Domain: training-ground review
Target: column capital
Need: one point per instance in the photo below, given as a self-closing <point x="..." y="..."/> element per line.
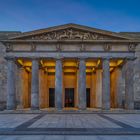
<point x="82" y="58"/>
<point x="59" y="58"/>
<point x="35" y="58"/>
<point x="106" y="58"/>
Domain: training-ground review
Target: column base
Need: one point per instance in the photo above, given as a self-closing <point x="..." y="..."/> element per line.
<point x="106" y="108"/>
<point x="59" y="109"/>
<point x="35" y="108"/>
<point x="82" y="109"/>
<point x="10" y="108"/>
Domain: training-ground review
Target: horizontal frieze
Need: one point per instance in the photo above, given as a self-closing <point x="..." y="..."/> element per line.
<point x="71" y="55"/>
<point x="69" y="47"/>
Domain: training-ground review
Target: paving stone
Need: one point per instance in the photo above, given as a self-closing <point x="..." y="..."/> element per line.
<point x="129" y="119"/>
<point x="70" y="137"/>
<point x="13" y="120"/>
<point x="73" y="121"/>
<point x="69" y="124"/>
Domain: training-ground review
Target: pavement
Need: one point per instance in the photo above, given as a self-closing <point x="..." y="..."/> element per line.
<point x="65" y="126"/>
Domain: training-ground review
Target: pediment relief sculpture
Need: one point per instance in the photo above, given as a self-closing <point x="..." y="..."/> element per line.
<point x="70" y="34"/>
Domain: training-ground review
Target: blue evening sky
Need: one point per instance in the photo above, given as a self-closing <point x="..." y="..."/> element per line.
<point x="26" y="15"/>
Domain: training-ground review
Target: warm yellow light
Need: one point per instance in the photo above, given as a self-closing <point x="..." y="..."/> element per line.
<point x="41" y="61"/>
<point x="69" y="70"/>
<point x="20" y="62"/>
<point x="119" y="62"/>
<point x="98" y="62"/>
<point x="93" y="69"/>
<point x="49" y="64"/>
<point x="28" y="69"/>
<point x="46" y="69"/>
<point x="111" y="69"/>
<point x="112" y="64"/>
<point x="88" y="70"/>
<point x="90" y="64"/>
<point x="27" y="64"/>
<point x="69" y="64"/>
<point x="51" y="70"/>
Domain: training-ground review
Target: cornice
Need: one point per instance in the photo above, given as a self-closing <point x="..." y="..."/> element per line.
<point x="70" y="41"/>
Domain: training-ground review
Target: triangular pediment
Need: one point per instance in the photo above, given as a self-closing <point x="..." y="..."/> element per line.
<point x="70" y="32"/>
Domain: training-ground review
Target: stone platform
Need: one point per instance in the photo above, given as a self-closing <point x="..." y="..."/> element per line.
<point x="69" y="124"/>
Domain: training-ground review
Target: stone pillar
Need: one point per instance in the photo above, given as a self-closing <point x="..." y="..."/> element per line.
<point x="119" y="87"/>
<point x="76" y="93"/>
<point x="93" y="88"/>
<point x="21" y="88"/>
<point x="82" y="85"/>
<point x="106" y="84"/>
<point x="58" y="85"/>
<point x="11" y="88"/>
<point x="35" y="85"/>
<point x="98" y="96"/>
<point x="42" y="86"/>
<point x="129" y="81"/>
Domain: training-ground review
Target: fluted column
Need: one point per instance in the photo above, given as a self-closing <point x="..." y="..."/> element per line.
<point x="98" y="88"/>
<point x="129" y="87"/>
<point x="119" y="84"/>
<point x="106" y="84"/>
<point x="82" y="85"/>
<point x="35" y="85"/>
<point x="11" y="88"/>
<point x="58" y="84"/>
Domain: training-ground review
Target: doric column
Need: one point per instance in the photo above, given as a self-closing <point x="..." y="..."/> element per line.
<point x="129" y="88"/>
<point x="106" y="85"/>
<point x="119" y="84"/>
<point x="58" y="84"/>
<point x="11" y="90"/>
<point x="82" y="85"/>
<point x="98" y="88"/>
<point x="35" y="85"/>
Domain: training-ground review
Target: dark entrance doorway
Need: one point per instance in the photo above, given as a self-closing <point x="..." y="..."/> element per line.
<point x="88" y="96"/>
<point x="51" y="97"/>
<point x="69" y="97"/>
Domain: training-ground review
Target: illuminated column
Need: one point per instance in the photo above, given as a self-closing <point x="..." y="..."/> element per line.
<point x="98" y="88"/>
<point x="11" y="90"/>
<point x="58" y="84"/>
<point x="106" y="85"/>
<point x="129" y="87"/>
<point x="35" y="85"/>
<point x="82" y="84"/>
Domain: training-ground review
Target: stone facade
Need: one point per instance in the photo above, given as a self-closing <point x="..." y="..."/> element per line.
<point x="107" y="63"/>
<point x="3" y="77"/>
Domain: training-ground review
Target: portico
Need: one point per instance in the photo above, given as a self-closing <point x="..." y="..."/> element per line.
<point x="70" y="67"/>
<point x="40" y="76"/>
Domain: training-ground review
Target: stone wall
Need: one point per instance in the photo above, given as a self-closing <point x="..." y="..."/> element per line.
<point x="137" y="78"/>
<point x="3" y="77"/>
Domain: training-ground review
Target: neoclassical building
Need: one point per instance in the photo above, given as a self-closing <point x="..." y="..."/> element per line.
<point x="69" y="67"/>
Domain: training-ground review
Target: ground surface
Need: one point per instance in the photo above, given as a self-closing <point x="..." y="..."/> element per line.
<point x="65" y="126"/>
